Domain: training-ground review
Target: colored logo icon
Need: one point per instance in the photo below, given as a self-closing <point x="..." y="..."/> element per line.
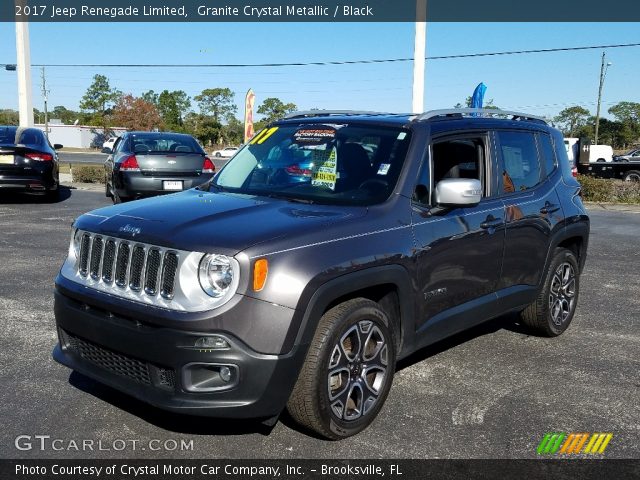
<point x="574" y="443"/>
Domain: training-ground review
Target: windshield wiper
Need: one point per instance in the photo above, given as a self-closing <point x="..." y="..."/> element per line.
<point x="279" y="196"/>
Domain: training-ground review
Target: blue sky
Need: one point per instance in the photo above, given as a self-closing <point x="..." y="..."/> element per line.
<point x="541" y="84"/>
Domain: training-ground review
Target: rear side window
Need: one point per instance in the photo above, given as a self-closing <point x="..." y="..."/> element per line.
<point x="8" y="135"/>
<point x="520" y="164"/>
<point x="548" y="153"/>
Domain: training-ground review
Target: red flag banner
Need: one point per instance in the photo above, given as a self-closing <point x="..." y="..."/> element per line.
<point x="248" y="115"/>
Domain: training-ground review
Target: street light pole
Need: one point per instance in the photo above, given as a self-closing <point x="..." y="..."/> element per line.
<point x="603" y="74"/>
<point x="419" y="52"/>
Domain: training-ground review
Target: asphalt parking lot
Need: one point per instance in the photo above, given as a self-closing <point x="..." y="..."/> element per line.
<point x="490" y="393"/>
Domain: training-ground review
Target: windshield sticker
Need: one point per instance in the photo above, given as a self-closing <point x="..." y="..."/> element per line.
<point x="384" y="168"/>
<point x="402" y="135"/>
<point x="325" y="171"/>
<point x="269" y="132"/>
<point x="263" y="135"/>
<point x="314" y="135"/>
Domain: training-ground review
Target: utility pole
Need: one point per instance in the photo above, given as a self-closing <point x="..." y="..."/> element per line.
<point x="23" y="67"/>
<point x="419" y="52"/>
<point x="45" y="95"/>
<point x="603" y="74"/>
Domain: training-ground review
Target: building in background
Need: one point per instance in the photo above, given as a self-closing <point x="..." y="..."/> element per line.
<point x="79" y="136"/>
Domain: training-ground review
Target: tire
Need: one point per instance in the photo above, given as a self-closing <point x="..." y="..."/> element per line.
<point x="107" y="189"/>
<point x="346" y="402"/>
<point x="218" y="154"/>
<point x="553" y="310"/>
<point x="117" y="199"/>
<point x="632" y="176"/>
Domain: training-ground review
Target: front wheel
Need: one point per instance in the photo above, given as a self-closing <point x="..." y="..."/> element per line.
<point x="553" y="310"/>
<point x="348" y="371"/>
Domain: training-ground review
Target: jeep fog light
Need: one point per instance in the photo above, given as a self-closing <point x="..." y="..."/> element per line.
<point x="215" y="275"/>
<point x="225" y="374"/>
<point x="213" y="343"/>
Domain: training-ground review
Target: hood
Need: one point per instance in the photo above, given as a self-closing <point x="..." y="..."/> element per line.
<point x="215" y="222"/>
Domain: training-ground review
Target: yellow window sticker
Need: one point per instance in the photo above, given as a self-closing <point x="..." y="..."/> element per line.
<point x="325" y="173"/>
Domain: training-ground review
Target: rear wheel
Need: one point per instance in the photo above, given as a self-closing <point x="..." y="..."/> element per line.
<point x="118" y="199"/>
<point x="348" y="371"/>
<point x="553" y="310"/>
<point x="107" y="189"/>
<point x="632" y="176"/>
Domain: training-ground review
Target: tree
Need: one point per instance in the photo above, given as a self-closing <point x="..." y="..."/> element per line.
<point x="628" y="115"/>
<point x="136" y="114"/>
<point x="273" y="109"/>
<point x="233" y="132"/>
<point x="571" y="119"/>
<point x="467" y="104"/>
<point x="151" y="97"/>
<point x="626" y="112"/>
<point x="9" y="117"/>
<point x="173" y="106"/>
<point x="98" y="98"/>
<point x="68" y="117"/>
<point x="217" y="102"/>
<point x="204" y="128"/>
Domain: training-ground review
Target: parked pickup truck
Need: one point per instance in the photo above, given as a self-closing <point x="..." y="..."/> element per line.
<point x="628" y="171"/>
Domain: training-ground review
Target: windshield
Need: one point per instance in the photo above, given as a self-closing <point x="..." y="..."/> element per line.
<point x="344" y="164"/>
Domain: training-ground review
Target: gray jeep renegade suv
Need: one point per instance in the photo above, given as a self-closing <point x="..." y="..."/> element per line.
<point x="331" y="246"/>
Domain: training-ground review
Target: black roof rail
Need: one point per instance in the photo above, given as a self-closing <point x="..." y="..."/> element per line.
<point x="477" y="112"/>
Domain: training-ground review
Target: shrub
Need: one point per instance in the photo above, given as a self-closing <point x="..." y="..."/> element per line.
<point x="87" y="174"/>
<point x="609" y="190"/>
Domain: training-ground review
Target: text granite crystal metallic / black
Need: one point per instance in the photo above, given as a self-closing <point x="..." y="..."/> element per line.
<point x="332" y="245"/>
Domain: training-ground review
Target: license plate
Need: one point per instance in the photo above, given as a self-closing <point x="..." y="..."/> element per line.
<point x="172" y="185"/>
<point x="6" y="159"/>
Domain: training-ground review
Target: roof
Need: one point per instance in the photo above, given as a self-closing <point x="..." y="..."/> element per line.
<point x="471" y="115"/>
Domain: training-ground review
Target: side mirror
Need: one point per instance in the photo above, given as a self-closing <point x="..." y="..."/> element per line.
<point x="459" y="192"/>
<point x="107" y="150"/>
<point x="57" y="146"/>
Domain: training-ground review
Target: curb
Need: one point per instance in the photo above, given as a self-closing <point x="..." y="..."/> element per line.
<point x="613" y="207"/>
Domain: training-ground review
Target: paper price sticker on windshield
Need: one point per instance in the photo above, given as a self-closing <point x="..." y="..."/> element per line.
<point x="314" y="135"/>
<point x="326" y="172"/>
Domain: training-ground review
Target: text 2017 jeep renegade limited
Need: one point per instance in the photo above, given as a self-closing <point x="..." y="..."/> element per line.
<point x="329" y="247"/>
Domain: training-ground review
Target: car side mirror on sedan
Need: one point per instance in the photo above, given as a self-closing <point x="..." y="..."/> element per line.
<point x="57" y="146"/>
<point x="458" y="192"/>
<point x="107" y="150"/>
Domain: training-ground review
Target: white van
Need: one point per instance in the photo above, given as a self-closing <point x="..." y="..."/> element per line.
<point x="597" y="153"/>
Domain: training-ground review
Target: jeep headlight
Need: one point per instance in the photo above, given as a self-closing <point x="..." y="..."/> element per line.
<point x="76" y="239"/>
<point x="218" y="275"/>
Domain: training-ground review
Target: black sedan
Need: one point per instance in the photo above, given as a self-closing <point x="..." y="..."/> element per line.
<point x="144" y="164"/>
<point x="28" y="162"/>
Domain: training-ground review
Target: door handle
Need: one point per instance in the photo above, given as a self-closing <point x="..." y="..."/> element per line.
<point x="549" y="208"/>
<point x="491" y="222"/>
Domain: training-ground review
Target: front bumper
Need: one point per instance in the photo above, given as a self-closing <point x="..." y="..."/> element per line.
<point x="136" y="184"/>
<point x="155" y="364"/>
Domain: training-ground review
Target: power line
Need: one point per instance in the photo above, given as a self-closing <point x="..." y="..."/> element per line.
<point x="345" y="62"/>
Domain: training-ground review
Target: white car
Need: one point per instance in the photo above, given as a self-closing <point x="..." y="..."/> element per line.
<point x="109" y="143"/>
<point x="226" y="152"/>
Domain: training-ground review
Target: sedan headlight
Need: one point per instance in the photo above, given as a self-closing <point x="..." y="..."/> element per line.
<point x="218" y="275"/>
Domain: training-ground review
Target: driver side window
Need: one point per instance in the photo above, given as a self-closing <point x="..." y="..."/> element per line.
<point x="458" y="157"/>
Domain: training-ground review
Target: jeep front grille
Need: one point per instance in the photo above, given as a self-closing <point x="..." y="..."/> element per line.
<point x="119" y="363"/>
<point x="123" y="264"/>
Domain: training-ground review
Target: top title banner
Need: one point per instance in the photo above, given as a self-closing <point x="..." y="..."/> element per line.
<point x="319" y="11"/>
